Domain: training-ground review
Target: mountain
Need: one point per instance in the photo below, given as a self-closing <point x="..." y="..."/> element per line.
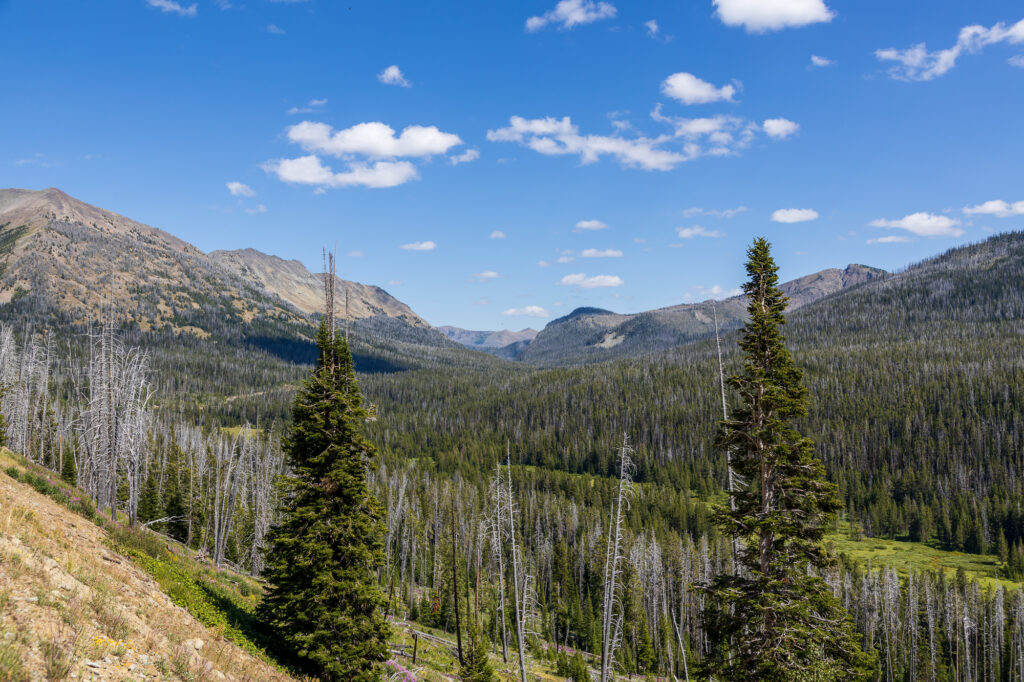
<point x="484" y="340"/>
<point x="594" y="335"/>
<point x="291" y="281"/>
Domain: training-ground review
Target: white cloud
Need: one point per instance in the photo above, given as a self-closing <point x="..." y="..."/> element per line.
<point x="484" y="276"/>
<point x="356" y="254"/>
<point x="497" y="234"/>
<point x="916" y="63"/>
<point x="260" y="208"/>
<point x="173" y="7"/>
<point x="373" y="139"/>
<point x="998" y="208"/>
<point x="1016" y="60"/>
<point x="710" y="136"/>
<point x="697" y="231"/>
<point x="701" y="293"/>
<point x="586" y="225"/>
<point x="725" y="213"/>
<point x="308" y="170"/>
<point x="419" y="246"/>
<point x="528" y="311"/>
<point x="275" y="29"/>
<point x="393" y="76"/>
<point x="923" y="225"/>
<point x="590" y="225"/>
<point x="554" y="137"/>
<point x="820" y="61"/>
<point x="565" y="259"/>
<point x="543" y="264"/>
<point x="464" y="157"/>
<point x="311" y="106"/>
<point x="568" y="14"/>
<point x="652" y="28"/>
<point x="794" y="215"/>
<point x="891" y="239"/>
<point x="598" y="253"/>
<point x="597" y="281"/>
<point x="780" y="128"/>
<point x="239" y="189"/>
<point x="759" y="16"/>
<point x="689" y="89"/>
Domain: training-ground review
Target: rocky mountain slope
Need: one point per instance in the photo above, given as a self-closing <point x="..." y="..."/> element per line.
<point x="593" y="334"/>
<point x="485" y="340"/>
<point x="291" y="281"/>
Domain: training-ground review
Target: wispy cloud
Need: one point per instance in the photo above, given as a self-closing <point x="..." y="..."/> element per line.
<point x="393" y="76"/>
<point x="701" y="293"/>
<point x="794" y="215"/>
<point x="590" y="225"/>
<point x="171" y="7"/>
<point x="275" y="29"/>
<point x="312" y="106"/>
<point x="239" y="189"/>
<point x="569" y="14"/>
<point x="259" y="208"/>
<point x="497" y="234"/>
<point x="485" y="276"/>
<point x="697" y="231"/>
<point x="601" y="253"/>
<point x="890" y="239"/>
<point x="724" y="213"/>
<point x="528" y="311"/>
<point x="464" y="157"/>
<point x="917" y="63"/>
<point x="581" y="280"/>
<point x="652" y="28"/>
<point x="923" y="225"/>
<point x="419" y="246"/>
<point x="820" y="61"/>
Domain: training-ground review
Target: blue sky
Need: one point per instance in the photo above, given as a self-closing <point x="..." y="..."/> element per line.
<point x="504" y="133"/>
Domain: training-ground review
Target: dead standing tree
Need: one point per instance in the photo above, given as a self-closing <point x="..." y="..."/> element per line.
<point x="611" y="625"/>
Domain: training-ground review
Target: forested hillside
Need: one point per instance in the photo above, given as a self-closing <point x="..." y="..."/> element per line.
<point x="915" y="409"/>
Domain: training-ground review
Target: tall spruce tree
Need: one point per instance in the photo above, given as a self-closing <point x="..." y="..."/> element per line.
<point x="323" y="600"/>
<point x="776" y="619"/>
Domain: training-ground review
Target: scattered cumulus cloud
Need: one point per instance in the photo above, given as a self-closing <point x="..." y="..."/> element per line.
<point x="689" y="89"/>
<point x="275" y="29"/>
<point x="497" y="234"/>
<point x="780" y="128"/>
<point x="923" y="225"/>
<point x="794" y="215"/>
<point x="917" y="63"/>
<point x="373" y="141"/>
<point x="419" y="246"/>
<point x="239" y="189"/>
<point x="820" y="61"/>
<point x="597" y="281"/>
<point x="171" y="7"/>
<point x="485" y="276"/>
<point x="393" y="76"/>
<point x="589" y="225"/>
<point x="761" y="16"/>
<point x="601" y="253"/>
<point x="464" y="157"/>
<point x="890" y="239"/>
<point x="652" y="28"/>
<point x="697" y="231"/>
<point x="565" y="259"/>
<point x="528" y="311"/>
<point x="724" y="213"/>
<point x="997" y="207"/>
<point x="568" y="14"/>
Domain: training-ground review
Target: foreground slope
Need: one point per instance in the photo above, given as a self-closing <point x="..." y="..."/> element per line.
<point x="73" y="607"/>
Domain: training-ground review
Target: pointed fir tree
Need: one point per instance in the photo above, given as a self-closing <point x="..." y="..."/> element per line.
<point x="476" y="666"/>
<point x="323" y="601"/>
<point x="150" y="507"/>
<point x="776" y="619"/>
<point x="68" y="470"/>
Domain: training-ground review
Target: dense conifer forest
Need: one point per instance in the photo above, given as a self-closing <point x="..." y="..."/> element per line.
<point x="501" y="485"/>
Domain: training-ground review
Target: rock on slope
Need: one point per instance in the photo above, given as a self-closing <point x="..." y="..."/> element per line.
<point x="68" y="597"/>
<point x="483" y="340"/>
<point x="290" y="280"/>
